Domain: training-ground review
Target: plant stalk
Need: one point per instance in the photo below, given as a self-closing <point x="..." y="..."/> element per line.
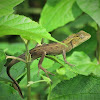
<point x="28" y="79"/>
<point x="98" y="45"/>
<point x="28" y="60"/>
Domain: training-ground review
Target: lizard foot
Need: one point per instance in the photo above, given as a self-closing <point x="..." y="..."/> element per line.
<point x="45" y="70"/>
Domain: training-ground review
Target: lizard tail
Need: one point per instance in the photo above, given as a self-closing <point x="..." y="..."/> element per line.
<point x="14" y="61"/>
<point x="15" y="82"/>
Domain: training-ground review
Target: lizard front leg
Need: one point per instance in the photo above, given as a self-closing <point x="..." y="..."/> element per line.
<point x="40" y="65"/>
<point x="64" y="56"/>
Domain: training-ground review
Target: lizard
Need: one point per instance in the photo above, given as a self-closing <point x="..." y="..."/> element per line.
<point x="72" y="41"/>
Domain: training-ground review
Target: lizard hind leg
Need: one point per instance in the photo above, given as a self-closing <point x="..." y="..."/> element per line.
<point x="40" y="65"/>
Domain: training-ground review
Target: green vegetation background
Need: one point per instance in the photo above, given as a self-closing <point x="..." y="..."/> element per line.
<point x="61" y="18"/>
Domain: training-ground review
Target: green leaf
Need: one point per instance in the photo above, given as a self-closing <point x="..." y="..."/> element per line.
<point x="46" y="79"/>
<point x="2" y="59"/>
<point x="8" y="93"/>
<point x="66" y="70"/>
<point x="83" y="64"/>
<point x="78" y="88"/>
<point x="6" y="6"/>
<point x="57" y="13"/>
<point x="79" y="58"/>
<point x="81" y="21"/>
<point x="96" y="70"/>
<point x="91" y="7"/>
<point x="15" y="71"/>
<point x="21" y="25"/>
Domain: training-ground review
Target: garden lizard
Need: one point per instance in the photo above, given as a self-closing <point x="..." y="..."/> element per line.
<point x="51" y="49"/>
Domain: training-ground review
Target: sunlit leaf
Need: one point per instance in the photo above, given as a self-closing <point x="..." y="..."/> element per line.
<point x="83" y="64"/>
<point x="6" y="6"/>
<point x="91" y="7"/>
<point x="21" y="25"/>
<point x="57" y="13"/>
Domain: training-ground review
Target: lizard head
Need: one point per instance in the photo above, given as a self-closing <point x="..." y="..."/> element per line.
<point x="79" y="38"/>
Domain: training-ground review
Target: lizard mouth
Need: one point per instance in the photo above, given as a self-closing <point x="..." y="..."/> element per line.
<point x="88" y="36"/>
<point x="80" y="37"/>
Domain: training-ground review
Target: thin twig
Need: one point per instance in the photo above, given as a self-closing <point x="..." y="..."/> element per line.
<point x="17" y="58"/>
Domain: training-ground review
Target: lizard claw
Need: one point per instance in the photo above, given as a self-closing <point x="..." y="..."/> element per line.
<point x="69" y="64"/>
<point x="45" y="70"/>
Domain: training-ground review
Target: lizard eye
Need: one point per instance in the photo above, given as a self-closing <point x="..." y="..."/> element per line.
<point x="81" y="36"/>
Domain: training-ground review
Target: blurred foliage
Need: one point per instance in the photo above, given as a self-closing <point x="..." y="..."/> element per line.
<point x="80" y="87"/>
<point x="61" y="18"/>
<point x="8" y="93"/>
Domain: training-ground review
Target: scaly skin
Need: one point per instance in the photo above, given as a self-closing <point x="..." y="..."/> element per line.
<point x="51" y="49"/>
